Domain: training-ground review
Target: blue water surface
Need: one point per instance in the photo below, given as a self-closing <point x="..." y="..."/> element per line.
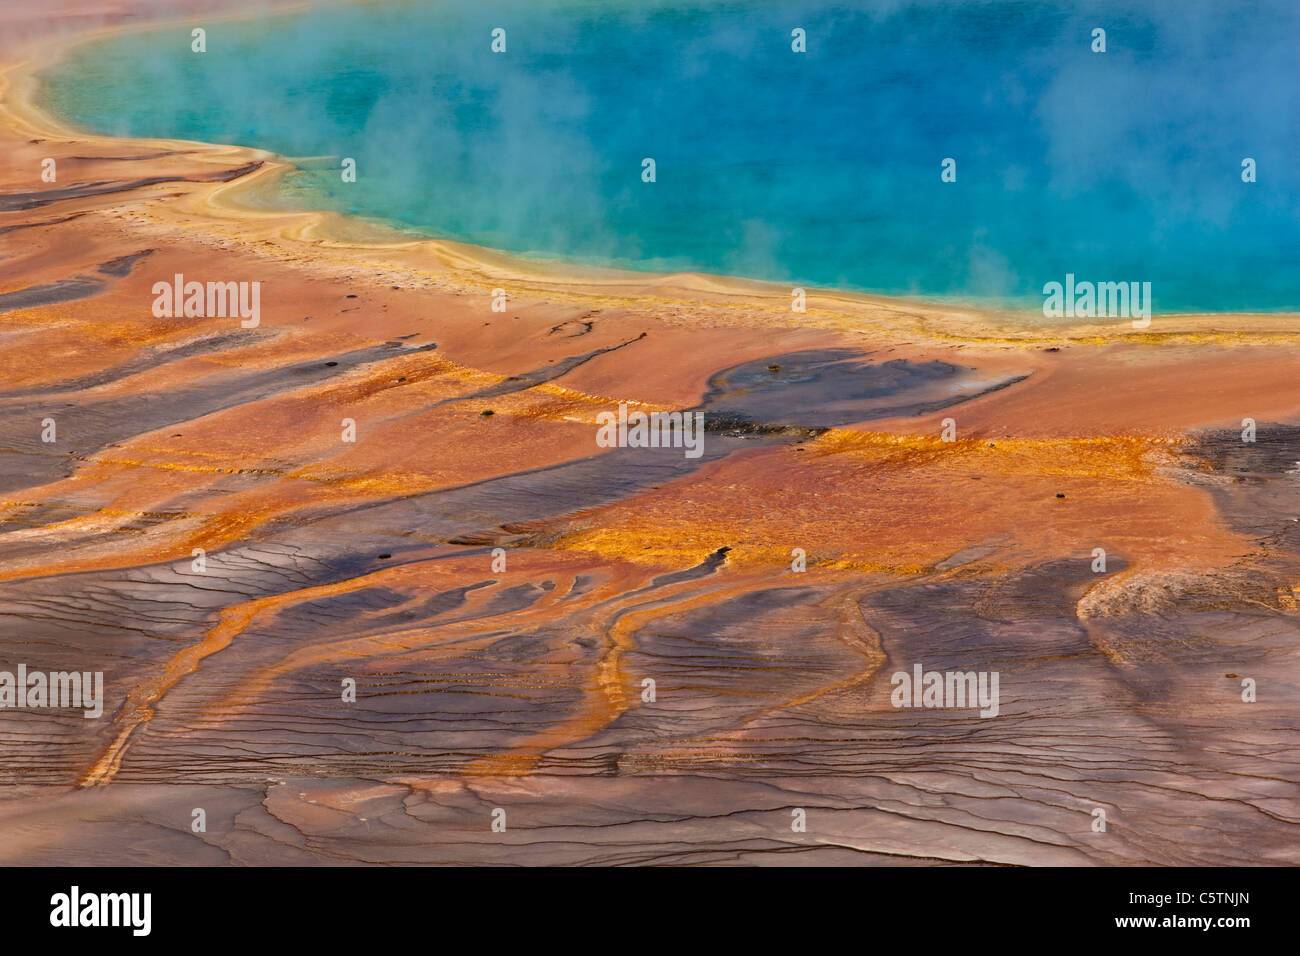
<point x="819" y="168"/>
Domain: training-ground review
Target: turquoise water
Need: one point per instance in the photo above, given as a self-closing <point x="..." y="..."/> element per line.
<point x="821" y="168"/>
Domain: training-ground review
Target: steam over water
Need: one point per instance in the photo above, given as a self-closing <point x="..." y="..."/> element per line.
<point x="818" y="168"/>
